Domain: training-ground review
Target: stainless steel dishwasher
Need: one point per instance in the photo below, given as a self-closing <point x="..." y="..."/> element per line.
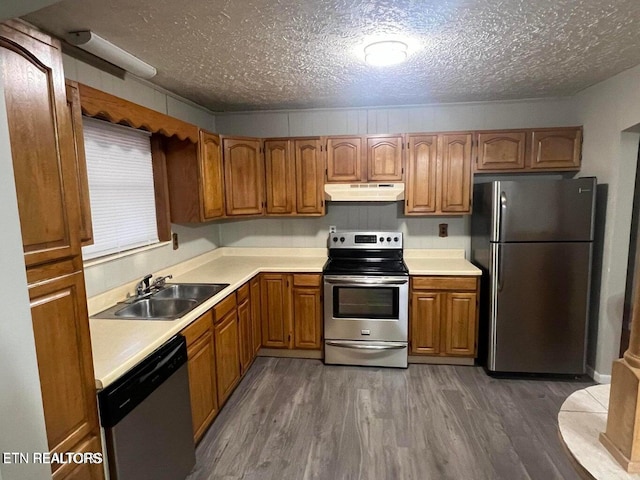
<point x="146" y="415"/>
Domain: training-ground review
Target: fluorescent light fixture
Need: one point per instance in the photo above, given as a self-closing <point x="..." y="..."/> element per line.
<point x="100" y="47"/>
<point x="385" y="53"/>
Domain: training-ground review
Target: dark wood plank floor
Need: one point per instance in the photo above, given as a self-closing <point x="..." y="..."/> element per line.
<point x="299" y="419"/>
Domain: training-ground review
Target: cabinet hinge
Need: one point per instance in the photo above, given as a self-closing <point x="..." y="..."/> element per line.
<point x="402" y="170"/>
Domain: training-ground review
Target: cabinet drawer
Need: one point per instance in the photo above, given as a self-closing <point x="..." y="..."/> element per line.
<point x="224" y="307"/>
<point x="307" y="280"/>
<point x="444" y="283"/>
<point x="243" y="292"/>
<point x="198" y="327"/>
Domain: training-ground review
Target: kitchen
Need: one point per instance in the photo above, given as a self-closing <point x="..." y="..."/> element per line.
<point x="607" y="111"/>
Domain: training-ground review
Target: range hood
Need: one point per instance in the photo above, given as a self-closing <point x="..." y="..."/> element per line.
<point x="364" y="192"/>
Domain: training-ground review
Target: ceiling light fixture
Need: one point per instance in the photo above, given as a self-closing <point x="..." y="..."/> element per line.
<point x="389" y="52"/>
<point x="100" y="47"/>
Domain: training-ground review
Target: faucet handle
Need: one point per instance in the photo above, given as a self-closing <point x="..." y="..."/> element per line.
<point x="143" y="285"/>
<point x="160" y="281"/>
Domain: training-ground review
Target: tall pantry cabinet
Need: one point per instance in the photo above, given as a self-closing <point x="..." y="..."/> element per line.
<point x="44" y="163"/>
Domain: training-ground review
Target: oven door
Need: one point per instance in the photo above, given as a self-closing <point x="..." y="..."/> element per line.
<point x="366" y="308"/>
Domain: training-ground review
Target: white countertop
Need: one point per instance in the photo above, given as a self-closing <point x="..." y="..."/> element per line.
<point x="118" y="345"/>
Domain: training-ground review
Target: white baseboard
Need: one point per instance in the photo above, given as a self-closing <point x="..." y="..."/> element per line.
<point x="598" y="377"/>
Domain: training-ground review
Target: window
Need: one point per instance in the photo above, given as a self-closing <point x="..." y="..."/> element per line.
<point x="121" y="193"/>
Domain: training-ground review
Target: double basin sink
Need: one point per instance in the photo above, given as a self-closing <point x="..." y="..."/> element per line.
<point x="170" y="302"/>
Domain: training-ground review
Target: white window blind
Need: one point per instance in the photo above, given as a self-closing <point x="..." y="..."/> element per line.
<point x="123" y="208"/>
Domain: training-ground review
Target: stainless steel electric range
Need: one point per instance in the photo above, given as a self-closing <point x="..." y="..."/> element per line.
<point x="366" y="300"/>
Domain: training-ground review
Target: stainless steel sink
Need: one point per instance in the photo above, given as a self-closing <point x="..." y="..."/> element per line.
<point x="172" y="301"/>
<point x="197" y="291"/>
<point x="150" y="308"/>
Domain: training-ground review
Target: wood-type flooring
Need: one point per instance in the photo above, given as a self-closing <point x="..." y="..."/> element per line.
<point x="294" y="419"/>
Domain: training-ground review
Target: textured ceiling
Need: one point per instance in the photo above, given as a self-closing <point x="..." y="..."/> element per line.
<point x="274" y="54"/>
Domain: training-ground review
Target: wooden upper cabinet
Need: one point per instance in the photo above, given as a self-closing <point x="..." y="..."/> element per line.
<point x="309" y="177"/>
<point x="75" y="114"/>
<point x="210" y="155"/>
<point x="422" y="166"/>
<point x="279" y="177"/>
<point x="384" y="158"/>
<point x="456" y="176"/>
<point x="500" y="150"/>
<point x="42" y="146"/>
<point x="344" y="160"/>
<point x="243" y="176"/>
<point x="556" y="149"/>
<point x="194" y="177"/>
<point x="63" y="350"/>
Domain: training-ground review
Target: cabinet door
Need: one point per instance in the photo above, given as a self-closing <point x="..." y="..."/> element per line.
<point x="309" y="177"/>
<point x="243" y="176"/>
<point x="280" y="169"/>
<point x="82" y="471"/>
<point x="455" y="168"/>
<point x="344" y="159"/>
<point x="556" y="149"/>
<point x="422" y="170"/>
<point x="227" y="355"/>
<point x="202" y="383"/>
<point x="41" y="144"/>
<point x="275" y="290"/>
<point x="426" y="311"/>
<point x="63" y="350"/>
<point x="384" y="155"/>
<point x="256" y="314"/>
<point x="75" y="115"/>
<point x="246" y="334"/>
<point x="460" y="324"/>
<point x="307" y="317"/>
<point x="500" y="150"/>
<point x="211" y="177"/>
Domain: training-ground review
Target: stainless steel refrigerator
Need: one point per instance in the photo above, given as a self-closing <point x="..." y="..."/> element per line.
<point x="534" y="241"/>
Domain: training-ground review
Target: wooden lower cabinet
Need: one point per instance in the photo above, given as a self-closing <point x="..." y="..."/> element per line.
<point x="83" y="471"/>
<point x="247" y="354"/>
<point x="256" y="314"/>
<point x="307" y="311"/>
<point x="444" y="316"/>
<point x="275" y="291"/>
<point x="227" y="351"/>
<point x="202" y="373"/>
<point x="63" y="350"/>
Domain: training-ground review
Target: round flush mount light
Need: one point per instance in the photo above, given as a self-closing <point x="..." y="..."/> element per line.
<point x="389" y="52"/>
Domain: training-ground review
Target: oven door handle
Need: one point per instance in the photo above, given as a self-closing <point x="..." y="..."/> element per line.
<point x="361" y="346"/>
<point x="377" y="281"/>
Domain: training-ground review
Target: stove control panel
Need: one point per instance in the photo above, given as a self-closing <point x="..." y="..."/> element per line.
<point x="365" y="240"/>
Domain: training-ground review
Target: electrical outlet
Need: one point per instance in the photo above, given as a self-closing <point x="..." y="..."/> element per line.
<point x="443" y="230"/>
<point x="174" y="237"/>
<point x="332" y="229"/>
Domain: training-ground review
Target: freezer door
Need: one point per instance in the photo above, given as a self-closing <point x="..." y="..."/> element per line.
<point x="543" y="210"/>
<point x="539" y="306"/>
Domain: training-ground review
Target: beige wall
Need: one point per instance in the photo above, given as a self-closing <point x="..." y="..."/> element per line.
<point x="607" y="110"/>
<point x="194" y="240"/>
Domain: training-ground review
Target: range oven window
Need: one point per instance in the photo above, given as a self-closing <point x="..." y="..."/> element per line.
<point x="365" y="302"/>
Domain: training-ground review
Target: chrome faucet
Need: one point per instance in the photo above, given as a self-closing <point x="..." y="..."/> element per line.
<point x="143" y="287"/>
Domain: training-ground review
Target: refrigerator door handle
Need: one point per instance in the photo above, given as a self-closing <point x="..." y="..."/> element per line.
<point x="500" y="267"/>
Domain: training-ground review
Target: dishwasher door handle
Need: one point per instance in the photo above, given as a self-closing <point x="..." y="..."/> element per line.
<point x="366" y="346"/>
